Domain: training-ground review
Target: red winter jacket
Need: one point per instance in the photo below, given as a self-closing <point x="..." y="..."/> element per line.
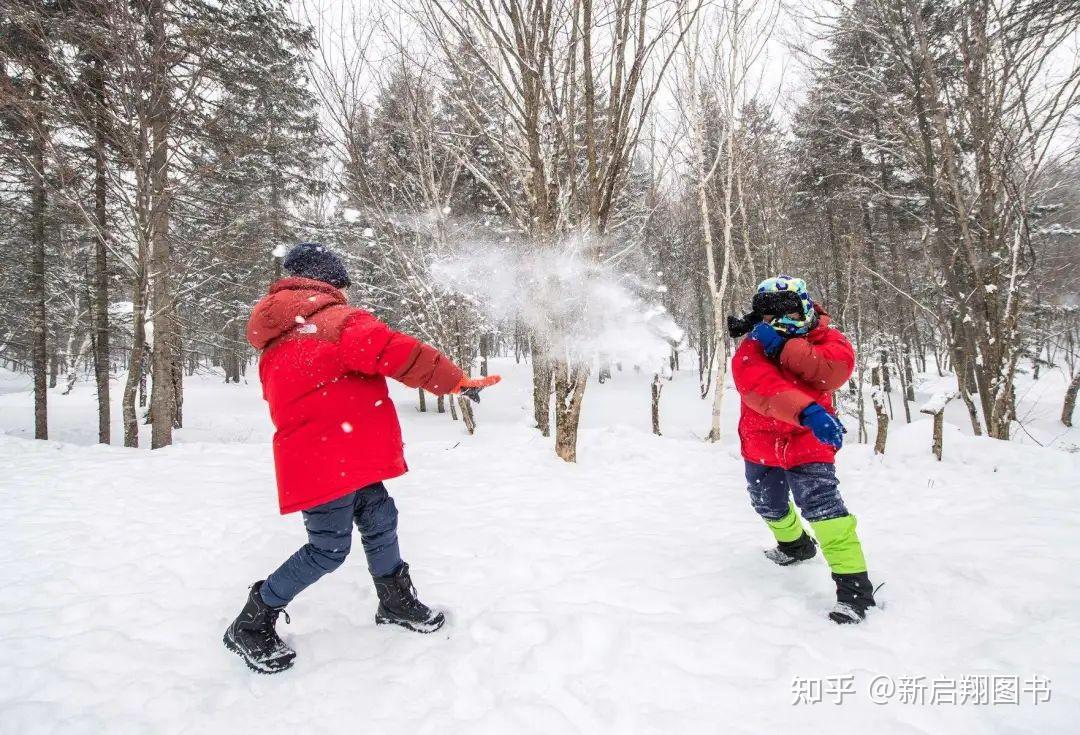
<point x="323" y="369"/>
<point x="775" y="391"/>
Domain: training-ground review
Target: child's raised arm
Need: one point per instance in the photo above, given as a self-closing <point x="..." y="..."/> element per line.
<point x="826" y="365"/>
<point x="764" y="389"/>
<point x="371" y="347"/>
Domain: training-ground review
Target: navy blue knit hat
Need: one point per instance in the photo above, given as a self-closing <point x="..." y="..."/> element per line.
<point x="314" y="260"/>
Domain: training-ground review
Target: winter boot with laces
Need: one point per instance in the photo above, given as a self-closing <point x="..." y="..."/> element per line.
<point x="854" y="595"/>
<point x="252" y="635"/>
<point x="398" y="604"/>
<point x="792" y="552"/>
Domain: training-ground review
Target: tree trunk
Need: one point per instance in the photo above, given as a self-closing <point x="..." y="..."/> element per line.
<point x="136" y="371"/>
<point x="907" y="393"/>
<point x="277" y="228"/>
<point x="882" y="435"/>
<point x="570" y="381"/>
<point x="972" y="409"/>
<point x="466" y="413"/>
<point x="1070" y="401"/>
<point x="163" y="399"/>
<point x="939" y="431"/>
<point x="657" y="387"/>
<point x="38" y="322"/>
<point x="100" y="301"/>
<point x="721" y="353"/>
<point x="886" y="380"/>
<point x="542" y="375"/>
<point x="704" y="354"/>
<point x="909" y="376"/>
<point x="230" y="356"/>
<point x="73" y="375"/>
<point x="177" y="372"/>
<point x="148" y="354"/>
<point x="718" y="282"/>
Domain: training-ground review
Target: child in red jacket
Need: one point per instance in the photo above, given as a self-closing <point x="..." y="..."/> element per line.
<point x="785" y="372"/>
<point x="323" y="369"/>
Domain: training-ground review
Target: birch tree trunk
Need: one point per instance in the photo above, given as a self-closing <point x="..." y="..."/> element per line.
<point x="136" y="369"/>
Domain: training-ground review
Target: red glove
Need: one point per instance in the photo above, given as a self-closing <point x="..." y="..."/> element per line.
<point x="471" y="387"/>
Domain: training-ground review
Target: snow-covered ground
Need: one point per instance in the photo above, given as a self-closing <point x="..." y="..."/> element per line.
<point x="627" y="593"/>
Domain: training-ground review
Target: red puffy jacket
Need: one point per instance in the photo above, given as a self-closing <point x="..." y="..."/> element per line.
<point x="775" y="391"/>
<point x="323" y="369"/>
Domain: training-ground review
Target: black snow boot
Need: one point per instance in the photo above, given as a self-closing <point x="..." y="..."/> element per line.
<point x="398" y="604"/>
<point x="792" y="552"/>
<point x="854" y="595"/>
<point x="252" y="636"/>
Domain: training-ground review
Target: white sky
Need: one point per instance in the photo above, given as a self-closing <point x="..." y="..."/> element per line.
<point x="779" y="76"/>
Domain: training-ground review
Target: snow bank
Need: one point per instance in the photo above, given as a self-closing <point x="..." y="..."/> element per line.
<point x="624" y="594"/>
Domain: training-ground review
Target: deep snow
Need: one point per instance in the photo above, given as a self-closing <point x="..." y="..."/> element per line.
<point x="625" y="594"/>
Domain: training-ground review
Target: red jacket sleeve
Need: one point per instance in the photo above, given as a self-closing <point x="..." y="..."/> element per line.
<point x="824" y="366"/>
<point x="762" y="386"/>
<point x="368" y="346"/>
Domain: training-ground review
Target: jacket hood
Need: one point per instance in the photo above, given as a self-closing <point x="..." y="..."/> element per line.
<point x="290" y="302"/>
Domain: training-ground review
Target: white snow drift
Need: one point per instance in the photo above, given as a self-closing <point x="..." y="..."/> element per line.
<point x="625" y="594"/>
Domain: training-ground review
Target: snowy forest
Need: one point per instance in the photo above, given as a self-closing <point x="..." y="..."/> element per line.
<point x="578" y="200"/>
<point x="158" y="157"/>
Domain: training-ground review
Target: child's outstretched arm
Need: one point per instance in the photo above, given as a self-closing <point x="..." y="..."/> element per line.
<point x="764" y="389"/>
<point x="826" y="365"/>
<point x="371" y="347"/>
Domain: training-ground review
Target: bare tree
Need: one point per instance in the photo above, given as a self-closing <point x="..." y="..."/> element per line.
<point x="575" y="94"/>
<point x="722" y="52"/>
<point x="26" y="64"/>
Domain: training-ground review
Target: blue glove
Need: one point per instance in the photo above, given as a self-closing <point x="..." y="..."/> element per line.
<point x="826" y="427"/>
<point x="769" y="338"/>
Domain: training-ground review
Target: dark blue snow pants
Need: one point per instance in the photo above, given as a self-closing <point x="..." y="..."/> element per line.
<point x="813" y="486"/>
<point x="329" y="529"/>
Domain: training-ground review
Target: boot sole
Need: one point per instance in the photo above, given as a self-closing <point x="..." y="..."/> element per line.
<point x="254" y="666"/>
<point x="843" y="618"/>
<point x="424" y="628"/>
<point x="791" y="563"/>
